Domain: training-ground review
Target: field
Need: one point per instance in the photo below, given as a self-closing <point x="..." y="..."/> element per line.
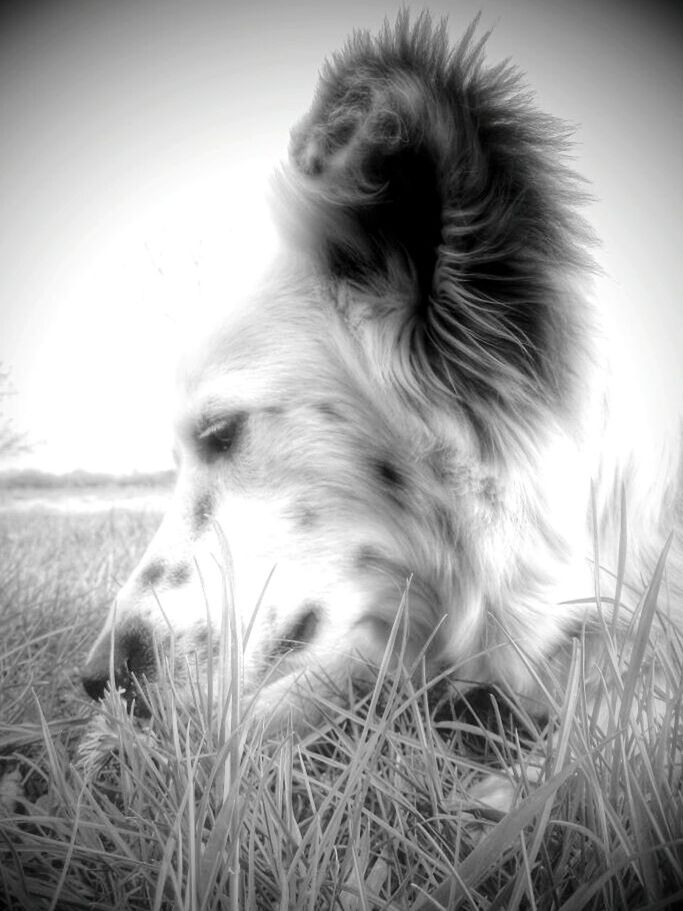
<point x="374" y="810"/>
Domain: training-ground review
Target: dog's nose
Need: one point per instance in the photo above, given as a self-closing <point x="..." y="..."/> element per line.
<point x="134" y="659"/>
<point x="95" y="683"/>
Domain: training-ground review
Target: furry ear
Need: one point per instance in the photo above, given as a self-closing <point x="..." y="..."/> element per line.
<point x="421" y="174"/>
<point x="366" y="159"/>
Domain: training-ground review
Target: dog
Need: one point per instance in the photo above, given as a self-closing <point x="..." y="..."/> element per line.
<point x="412" y="413"/>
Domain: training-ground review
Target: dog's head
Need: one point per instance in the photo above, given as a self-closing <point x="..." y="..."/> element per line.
<point x="359" y="421"/>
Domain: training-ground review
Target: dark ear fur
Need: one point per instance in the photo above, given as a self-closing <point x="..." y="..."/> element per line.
<point x="418" y="162"/>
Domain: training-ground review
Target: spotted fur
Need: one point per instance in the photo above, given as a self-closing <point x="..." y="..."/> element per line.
<point x="414" y="393"/>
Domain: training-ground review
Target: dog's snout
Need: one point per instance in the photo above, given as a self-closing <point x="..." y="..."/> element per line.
<point x="133" y="660"/>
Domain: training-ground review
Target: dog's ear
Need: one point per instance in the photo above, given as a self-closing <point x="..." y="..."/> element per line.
<point x="420" y="176"/>
<point x="367" y="161"/>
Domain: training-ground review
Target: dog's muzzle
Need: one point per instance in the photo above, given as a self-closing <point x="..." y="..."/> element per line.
<point x="126" y="658"/>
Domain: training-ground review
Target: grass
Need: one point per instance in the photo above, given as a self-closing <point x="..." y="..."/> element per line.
<point x="374" y="810"/>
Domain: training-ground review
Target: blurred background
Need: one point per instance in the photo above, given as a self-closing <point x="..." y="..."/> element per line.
<point x="136" y="143"/>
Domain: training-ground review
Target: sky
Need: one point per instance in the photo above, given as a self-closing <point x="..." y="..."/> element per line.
<point x="137" y="140"/>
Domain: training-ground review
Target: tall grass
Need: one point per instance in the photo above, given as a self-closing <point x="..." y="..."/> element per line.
<point x="375" y="809"/>
<point x="58" y="575"/>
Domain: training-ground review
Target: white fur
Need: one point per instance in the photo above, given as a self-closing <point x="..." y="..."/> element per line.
<point x="363" y="461"/>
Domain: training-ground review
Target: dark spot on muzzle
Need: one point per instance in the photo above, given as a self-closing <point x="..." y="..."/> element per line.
<point x="152" y="573"/>
<point x="157" y="572"/>
<point x="301" y="633"/>
<point x="179" y="574"/>
<point x="134" y="662"/>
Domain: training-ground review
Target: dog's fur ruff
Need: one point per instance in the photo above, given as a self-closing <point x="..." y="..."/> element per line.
<point x="415" y="392"/>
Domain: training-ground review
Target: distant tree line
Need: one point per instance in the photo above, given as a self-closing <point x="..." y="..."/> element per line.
<point x="33" y="478"/>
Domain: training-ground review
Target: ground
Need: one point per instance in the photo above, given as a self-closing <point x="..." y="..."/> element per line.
<point x="373" y="810"/>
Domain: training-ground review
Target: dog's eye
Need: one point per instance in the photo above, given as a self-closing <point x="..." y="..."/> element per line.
<point x="221" y="437"/>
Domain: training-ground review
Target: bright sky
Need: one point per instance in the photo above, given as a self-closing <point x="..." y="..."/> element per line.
<point x="136" y="141"/>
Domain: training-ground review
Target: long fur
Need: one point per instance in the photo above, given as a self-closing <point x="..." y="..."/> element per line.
<point x="416" y="392"/>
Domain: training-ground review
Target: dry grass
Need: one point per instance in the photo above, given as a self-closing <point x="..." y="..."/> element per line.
<point x="372" y="811"/>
